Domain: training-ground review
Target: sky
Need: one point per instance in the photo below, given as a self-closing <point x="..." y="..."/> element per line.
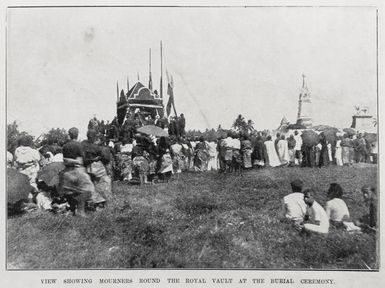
<point x="63" y="64"/>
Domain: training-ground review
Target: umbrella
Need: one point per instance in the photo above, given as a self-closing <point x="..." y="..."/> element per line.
<point x="310" y="137"/>
<point x="330" y="135"/>
<point x="370" y="137"/>
<point x="49" y="174"/>
<point x="152" y="130"/>
<point x="323" y="127"/>
<point x="18" y="186"/>
<point x="350" y="131"/>
<point x="329" y="132"/>
<point x="296" y="126"/>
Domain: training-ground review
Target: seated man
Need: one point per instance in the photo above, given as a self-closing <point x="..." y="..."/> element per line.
<point x="318" y="220"/>
<point x="369" y="221"/>
<point x="294" y="206"/>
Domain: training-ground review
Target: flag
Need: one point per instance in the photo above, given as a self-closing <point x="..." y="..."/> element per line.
<point x="170" y="92"/>
<point x="150" y="83"/>
<point x="170" y="99"/>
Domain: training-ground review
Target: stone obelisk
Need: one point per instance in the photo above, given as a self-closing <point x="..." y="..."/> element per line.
<point x="304" y="115"/>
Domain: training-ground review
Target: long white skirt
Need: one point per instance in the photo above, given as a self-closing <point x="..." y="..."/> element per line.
<point x="272" y="154"/>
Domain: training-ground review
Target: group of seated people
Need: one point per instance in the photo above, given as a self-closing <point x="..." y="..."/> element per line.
<point x="307" y="215"/>
<point x="82" y="171"/>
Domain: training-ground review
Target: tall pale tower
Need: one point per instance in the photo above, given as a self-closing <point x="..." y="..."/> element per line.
<point x="304" y="115"/>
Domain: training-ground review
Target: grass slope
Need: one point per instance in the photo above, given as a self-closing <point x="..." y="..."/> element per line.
<point x="198" y="220"/>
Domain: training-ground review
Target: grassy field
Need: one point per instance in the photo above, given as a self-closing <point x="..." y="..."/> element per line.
<point x="198" y="220"/>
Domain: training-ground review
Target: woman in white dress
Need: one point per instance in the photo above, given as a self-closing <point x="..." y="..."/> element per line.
<point x="271" y="153"/>
<point x="283" y="151"/>
<point x="338" y="154"/>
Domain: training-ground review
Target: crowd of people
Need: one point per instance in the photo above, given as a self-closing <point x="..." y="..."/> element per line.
<point x="307" y="215"/>
<point x="89" y="167"/>
<point x="174" y="126"/>
<point x="75" y="174"/>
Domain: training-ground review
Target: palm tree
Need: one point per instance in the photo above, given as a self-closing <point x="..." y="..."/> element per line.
<point x="250" y="126"/>
<point x="240" y="124"/>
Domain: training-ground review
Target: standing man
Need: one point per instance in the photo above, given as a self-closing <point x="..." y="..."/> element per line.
<point x="291" y="146"/>
<point x="182" y="125"/>
<point x="297" y="148"/>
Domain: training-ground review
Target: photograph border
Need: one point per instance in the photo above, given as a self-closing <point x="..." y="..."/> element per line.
<point x="247" y="4"/>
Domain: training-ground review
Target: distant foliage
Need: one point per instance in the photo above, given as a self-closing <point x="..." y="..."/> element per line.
<point x="242" y="126"/>
<point x="13" y="136"/>
<point x="55" y="136"/>
<point x="208" y="135"/>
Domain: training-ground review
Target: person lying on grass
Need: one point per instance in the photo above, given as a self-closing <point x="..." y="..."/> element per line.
<point x="368" y="222"/>
<point x="317" y="220"/>
<point x="336" y="208"/>
<point x="293" y="204"/>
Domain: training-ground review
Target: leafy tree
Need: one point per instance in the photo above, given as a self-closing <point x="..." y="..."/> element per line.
<point x="242" y="126"/>
<point x="250" y="125"/>
<point x="13" y="136"/>
<point x="240" y="123"/>
<point x="57" y="136"/>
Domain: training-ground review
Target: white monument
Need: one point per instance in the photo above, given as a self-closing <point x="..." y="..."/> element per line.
<point x="304" y="116"/>
<point x="363" y="121"/>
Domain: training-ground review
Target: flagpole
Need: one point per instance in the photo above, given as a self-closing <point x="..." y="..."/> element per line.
<point x="173" y="98"/>
<point x="150" y="78"/>
<point x="161" y="70"/>
<point x="117" y="91"/>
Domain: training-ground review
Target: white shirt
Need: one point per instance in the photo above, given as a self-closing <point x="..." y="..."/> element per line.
<point x="298" y="142"/>
<point x="227" y="142"/>
<point x="57" y="157"/>
<point x="337" y="210"/>
<point x="9" y="157"/>
<point x="212" y="149"/>
<point x="235" y="144"/>
<point x="176" y="148"/>
<point x="317" y="213"/>
<point x="185" y="146"/>
<point x="375" y="147"/>
<point x="127" y="148"/>
<point x="294" y="206"/>
<point x="26" y="155"/>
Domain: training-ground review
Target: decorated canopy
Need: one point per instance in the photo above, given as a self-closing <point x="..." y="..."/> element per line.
<point x="142" y="98"/>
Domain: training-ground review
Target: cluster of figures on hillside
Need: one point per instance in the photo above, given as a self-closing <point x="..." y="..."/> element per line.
<point x="174" y="126"/>
<point x="308" y="216"/>
<point x="87" y="168"/>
